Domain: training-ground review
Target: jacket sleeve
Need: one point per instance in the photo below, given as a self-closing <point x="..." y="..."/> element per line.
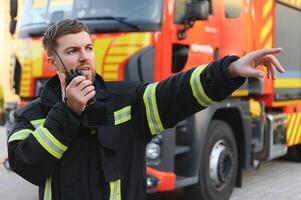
<point x="35" y="147"/>
<point x="178" y="97"/>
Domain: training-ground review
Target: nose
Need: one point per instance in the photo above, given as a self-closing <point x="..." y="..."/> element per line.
<point x="83" y="55"/>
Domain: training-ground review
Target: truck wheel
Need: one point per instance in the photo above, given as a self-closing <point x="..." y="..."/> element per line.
<point x="219" y="162"/>
<point x="294" y="153"/>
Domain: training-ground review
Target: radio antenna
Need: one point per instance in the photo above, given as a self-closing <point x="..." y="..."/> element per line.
<point x="52" y="47"/>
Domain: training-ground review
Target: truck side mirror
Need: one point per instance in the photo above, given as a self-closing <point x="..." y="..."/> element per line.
<point x="198" y="10"/>
<point x="13" y="15"/>
<point x="13" y="8"/>
<point x="12" y="26"/>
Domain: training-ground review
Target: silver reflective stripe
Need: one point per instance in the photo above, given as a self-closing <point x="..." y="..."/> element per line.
<point x="20" y="135"/>
<point x="49" y="142"/>
<point x="38" y="122"/>
<point x="152" y="113"/>
<point x="197" y="87"/>
<point x="122" y="115"/>
<point x="48" y="189"/>
<point x="115" y="190"/>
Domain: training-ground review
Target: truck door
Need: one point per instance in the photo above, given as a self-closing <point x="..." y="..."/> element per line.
<point x="198" y="44"/>
<point x="232" y="28"/>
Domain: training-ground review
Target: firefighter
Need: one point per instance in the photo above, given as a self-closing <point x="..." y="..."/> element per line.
<point x="74" y="149"/>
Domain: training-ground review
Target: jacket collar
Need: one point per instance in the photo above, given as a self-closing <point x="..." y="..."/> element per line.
<point x="51" y="93"/>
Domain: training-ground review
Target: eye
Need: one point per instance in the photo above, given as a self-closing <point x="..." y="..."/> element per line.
<point x="90" y="48"/>
<point x="70" y="52"/>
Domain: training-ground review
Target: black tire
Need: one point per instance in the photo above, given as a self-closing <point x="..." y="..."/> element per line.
<point x="220" y="146"/>
<point x="293" y="154"/>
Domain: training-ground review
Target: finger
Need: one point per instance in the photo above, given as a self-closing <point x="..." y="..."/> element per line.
<point x="76" y="81"/>
<point x="251" y="72"/>
<point x="263" y="52"/>
<point x="87" y="90"/>
<point x="271" y="70"/>
<point x="272" y="59"/>
<point x="89" y="96"/>
<point x="84" y="84"/>
<point x="268" y="74"/>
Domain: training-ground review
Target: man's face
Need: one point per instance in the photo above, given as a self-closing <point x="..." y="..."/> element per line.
<point x="76" y="51"/>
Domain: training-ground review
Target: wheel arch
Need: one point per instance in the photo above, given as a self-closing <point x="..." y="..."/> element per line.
<point x="238" y="119"/>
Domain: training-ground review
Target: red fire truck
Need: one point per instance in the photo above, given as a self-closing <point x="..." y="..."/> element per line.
<point x="143" y="40"/>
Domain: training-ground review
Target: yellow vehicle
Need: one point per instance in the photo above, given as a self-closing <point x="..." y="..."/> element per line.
<point x="7" y="98"/>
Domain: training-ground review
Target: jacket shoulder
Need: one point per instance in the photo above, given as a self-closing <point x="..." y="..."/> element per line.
<point x="30" y="111"/>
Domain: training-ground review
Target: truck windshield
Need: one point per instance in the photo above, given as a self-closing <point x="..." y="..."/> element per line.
<point x="42" y="13"/>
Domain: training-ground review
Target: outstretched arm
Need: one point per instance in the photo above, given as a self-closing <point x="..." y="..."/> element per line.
<point x="171" y="100"/>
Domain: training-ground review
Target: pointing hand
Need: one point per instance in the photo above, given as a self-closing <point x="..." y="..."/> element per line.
<point x="246" y="65"/>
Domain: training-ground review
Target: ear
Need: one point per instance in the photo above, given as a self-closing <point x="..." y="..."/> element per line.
<point x="51" y="62"/>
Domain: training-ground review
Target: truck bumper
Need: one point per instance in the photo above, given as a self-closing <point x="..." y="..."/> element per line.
<point x="158" y="181"/>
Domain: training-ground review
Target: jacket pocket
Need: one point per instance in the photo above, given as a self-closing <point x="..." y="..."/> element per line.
<point x="109" y="151"/>
<point x="109" y="136"/>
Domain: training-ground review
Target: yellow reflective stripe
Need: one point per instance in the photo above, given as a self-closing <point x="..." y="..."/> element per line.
<point x="47" y="189"/>
<point x="38" y="122"/>
<point x="152" y="114"/>
<point x="54" y="140"/>
<point x="20" y="135"/>
<point x="49" y="142"/>
<point x="197" y="88"/>
<point x="122" y="115"/>
<point x="115" y="190"/>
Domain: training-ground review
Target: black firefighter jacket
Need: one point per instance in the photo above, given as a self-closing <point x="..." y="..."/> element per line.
<point x="51" y="147"/>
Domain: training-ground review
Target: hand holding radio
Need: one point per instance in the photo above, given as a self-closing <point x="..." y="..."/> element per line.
<point x="78" y="92"/>
<point x="75" y="73"/>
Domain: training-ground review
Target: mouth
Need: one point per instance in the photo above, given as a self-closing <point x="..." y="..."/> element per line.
<point x="83" y="69"/>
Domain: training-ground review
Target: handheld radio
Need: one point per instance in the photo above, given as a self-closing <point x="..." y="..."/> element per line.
<point x="69" y="75"/>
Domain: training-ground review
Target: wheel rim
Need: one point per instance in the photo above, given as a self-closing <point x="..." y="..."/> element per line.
<point x="221" y="164"/>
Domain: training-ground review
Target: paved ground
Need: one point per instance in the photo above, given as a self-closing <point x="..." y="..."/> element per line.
<point x="12" y="186"/>
<point x="276" y="180"/>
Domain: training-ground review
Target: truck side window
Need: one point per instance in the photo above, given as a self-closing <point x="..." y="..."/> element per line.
<point x="179" y="14"/>
<point x="232" y="8"/>
<point x="180" y="8"/>
<point x="210" y="7"/>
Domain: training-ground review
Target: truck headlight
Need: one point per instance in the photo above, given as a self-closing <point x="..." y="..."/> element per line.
<point x="153" y="151"/>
